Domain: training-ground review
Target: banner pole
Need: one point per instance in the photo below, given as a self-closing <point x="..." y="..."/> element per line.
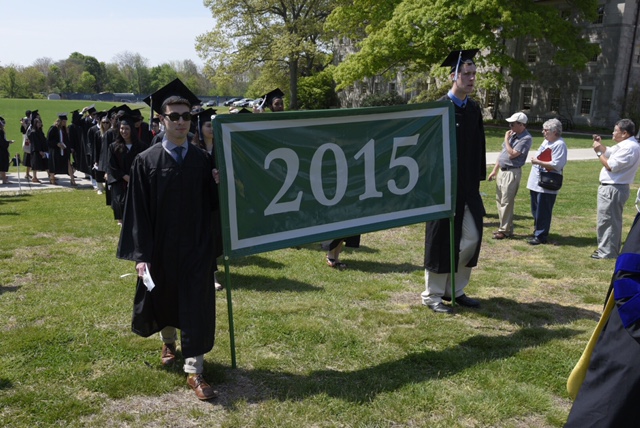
<point x="232" y="340"/>
<point x="452" y="255"/>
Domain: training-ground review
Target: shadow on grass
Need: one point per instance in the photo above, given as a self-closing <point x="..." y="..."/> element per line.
<point x="534" y="314"/>
<point x="12" y="199"/>
<point x="362" y="386"/>
<point x="268" y="283"/>
<point x="11" y="289"/>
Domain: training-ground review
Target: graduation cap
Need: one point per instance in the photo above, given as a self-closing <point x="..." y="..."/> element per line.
<point x="62" y="116"/>
<point x="244" y="110"/>
<point x="76" y="116"/>
<point x="455" y="58"/>
<point x="137" y="114"/>
<point x="91" y="109"/>
<point x="268" y="98"/>
<point x="202" y="116"/>
<point x="173" y="88"/>
<point x="101" y="114"/>
<point x="34" y="114"/>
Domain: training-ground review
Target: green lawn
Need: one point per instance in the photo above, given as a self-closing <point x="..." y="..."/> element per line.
<point x="316" y="347"/>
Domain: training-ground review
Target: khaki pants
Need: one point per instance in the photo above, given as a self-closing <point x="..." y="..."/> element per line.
<point x="507" y="185"/>
<point x="439" y="284"/>
<point x="192" y="364"/>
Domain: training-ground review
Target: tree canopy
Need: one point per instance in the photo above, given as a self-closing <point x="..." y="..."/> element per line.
<point x="283" y="37"/>
<point x="418" y="34"/>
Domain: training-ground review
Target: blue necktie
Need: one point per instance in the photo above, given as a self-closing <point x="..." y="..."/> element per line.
<point x="178" y="150"/>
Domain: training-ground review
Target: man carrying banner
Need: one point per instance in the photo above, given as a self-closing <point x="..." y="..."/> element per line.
<point x="471" y="169"/>
<point x="167" y="230"/>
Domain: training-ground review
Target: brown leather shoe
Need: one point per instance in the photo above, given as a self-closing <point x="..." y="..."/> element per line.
<point x="168" y="354"/>
<point x="203" y="390"/>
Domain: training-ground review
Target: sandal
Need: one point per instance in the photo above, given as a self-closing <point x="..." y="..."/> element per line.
<point x="335" y="263"/>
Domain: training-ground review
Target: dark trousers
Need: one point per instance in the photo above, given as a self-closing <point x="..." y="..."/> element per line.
<point x="541" y="209"/>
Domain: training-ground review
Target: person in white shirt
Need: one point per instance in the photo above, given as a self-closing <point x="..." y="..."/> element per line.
<point x="619" y="165"/>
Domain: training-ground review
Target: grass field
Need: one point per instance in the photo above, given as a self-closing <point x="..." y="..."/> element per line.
<point x="316" y="347"/>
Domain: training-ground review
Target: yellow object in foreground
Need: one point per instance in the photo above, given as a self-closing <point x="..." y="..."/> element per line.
<point x="574" y="382"/>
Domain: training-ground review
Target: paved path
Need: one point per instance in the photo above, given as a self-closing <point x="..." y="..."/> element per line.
<point x="22" y="185"/>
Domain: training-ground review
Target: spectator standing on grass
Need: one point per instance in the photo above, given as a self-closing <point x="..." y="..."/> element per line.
<point x="619" y="165"/>
<point x="167" y="230"/>
<point x="508" y="172"/>
<point x="471" y="169"/>
<point x="552" y="157"/>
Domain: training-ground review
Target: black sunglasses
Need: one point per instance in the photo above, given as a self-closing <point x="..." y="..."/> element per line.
<point x="174" y="117"/>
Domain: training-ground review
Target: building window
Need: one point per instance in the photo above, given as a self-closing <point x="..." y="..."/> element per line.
<point x="527" y="98"/>
<point x="491" y="99"/>
<point x="532" y="54"/>
<point x="554" y="100"/>
<point x="392" y="87"/>
<point x="585" y="103"/>
<point x="600" y="18"/>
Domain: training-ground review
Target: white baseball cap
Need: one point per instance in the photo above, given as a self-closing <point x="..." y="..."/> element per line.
<point x="518" y="117"/>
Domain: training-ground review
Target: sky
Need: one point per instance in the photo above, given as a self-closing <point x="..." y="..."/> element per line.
<point x="159" y="30"/>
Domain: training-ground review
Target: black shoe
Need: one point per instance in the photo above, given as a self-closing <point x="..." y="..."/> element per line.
<point x="439" y="308"/>
<point x="536" y="241"/>
<point x="464" y="300"/>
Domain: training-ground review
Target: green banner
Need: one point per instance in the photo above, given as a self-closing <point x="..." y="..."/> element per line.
<point x="293" y="178"/>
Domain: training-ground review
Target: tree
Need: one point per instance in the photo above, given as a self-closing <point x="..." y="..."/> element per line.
<point x="134" y="68"/>
<point x="10" y="82"/>
<point x="418" y="34"/>
<point x="287" y="34"/>
<point x="317" y="91"/>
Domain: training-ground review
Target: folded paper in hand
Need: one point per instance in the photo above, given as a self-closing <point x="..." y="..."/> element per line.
<point x="545" y="156"/>
<point x="147" y="280"/>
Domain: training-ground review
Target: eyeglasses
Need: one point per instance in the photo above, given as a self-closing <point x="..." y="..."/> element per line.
<point x="174" y="117"/>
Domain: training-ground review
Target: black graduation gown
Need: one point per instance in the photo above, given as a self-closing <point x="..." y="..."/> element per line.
<point x="609" y="394"/>
<point x="76" y="141"/>
<point x="58" y="159"/>
<point x="96" y="148"/>
<point x="103" y="155"/>
<point x="39" y="146"/>
<point x="144" y="135"/>
<point x="472" y="168"/>
<point x="168" y="222"/>
<point x="4" y="152"/>
<point x="120" y="161"/>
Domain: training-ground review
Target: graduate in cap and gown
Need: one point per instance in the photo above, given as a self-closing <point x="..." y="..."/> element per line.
<point x="273" y="100"/>
<point x="121" y="154"/>
<point x="59" y="150"/>
<point x="203" y="138"/>
<point x="95" y="135"/>
<point x="167" y="230"/>
<point x="471" y="169"/>
<point x="608" y="395"/>
<point x="76" y="141"/>
<point x="39" y="146"/>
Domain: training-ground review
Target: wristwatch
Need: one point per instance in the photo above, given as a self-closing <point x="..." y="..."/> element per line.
<point x="598" y="154"/>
